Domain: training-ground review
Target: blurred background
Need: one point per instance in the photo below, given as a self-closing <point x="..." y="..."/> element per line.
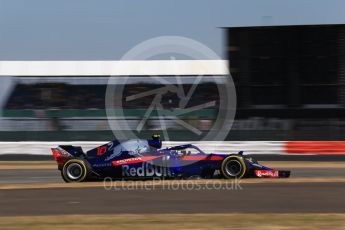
<point x="290" y="85"/>
<point x="288" y="68"/>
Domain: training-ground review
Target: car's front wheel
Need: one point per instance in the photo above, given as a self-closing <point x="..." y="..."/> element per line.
<point x="233" y="167"/>
<point x="74" y="170"/>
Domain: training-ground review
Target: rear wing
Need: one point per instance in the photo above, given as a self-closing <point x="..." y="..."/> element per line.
<point x="75" y="151"/>
<point x="65" y="152"/>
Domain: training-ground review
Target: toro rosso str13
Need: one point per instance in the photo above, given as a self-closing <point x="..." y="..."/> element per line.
<point x="143" y="159"/>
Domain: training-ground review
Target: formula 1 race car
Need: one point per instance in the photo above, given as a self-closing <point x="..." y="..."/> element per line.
<point x="143" y="159"/>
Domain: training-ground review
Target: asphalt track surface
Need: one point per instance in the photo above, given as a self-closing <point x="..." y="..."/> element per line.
<point x="257" y="197"/>
<point x="252" y="198"/>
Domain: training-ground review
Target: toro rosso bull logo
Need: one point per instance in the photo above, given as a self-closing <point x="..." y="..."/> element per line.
<point x="145" y="170"/>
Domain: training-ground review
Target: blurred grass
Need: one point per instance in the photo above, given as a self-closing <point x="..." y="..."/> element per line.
<point x="177" y="221"/>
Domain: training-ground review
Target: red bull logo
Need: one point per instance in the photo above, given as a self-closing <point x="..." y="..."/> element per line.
<point x="267" y="173"/>
<point x="145" y="170"/>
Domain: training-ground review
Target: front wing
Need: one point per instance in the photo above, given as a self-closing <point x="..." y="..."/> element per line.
<point x="272" y="173"/>
<point x="260" y="171"/>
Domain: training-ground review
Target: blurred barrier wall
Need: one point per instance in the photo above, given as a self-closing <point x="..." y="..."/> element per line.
<point x="225" y="147"/>
<point x="92" y="125"/>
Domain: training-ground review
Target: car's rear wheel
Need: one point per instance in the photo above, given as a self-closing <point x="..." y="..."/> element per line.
<point x="74" y="170"/>
<point x="233" y="167"/>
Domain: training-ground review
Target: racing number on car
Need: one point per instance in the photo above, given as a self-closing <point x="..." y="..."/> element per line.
<point x="101" y="150"/>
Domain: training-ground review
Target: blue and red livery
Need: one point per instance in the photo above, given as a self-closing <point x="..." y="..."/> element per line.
<point x="142" y="159"/>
